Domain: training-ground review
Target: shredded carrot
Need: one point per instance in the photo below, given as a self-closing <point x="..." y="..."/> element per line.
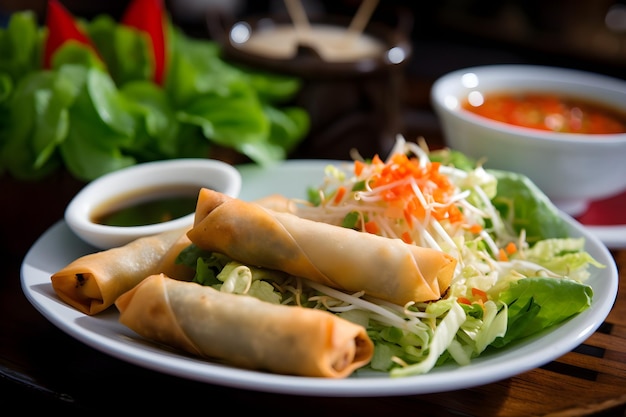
<point x="358" y="167"/>
<point x="407" y="216"/>
<point x="464" y="300"/>
<point x="377" y="161"/>
<point x="502" y="256"/>
<point x="341" y="192"/>
<point x="406" y="237"/>
<point x="398" y="177"/>
<point x="476" y="229"/>
<point x="480" y="295"/>
<point x="371" y="227"/>
<point x="511" y="248"/>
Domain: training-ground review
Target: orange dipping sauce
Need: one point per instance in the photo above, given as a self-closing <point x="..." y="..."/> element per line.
<point x="550" y="112"/>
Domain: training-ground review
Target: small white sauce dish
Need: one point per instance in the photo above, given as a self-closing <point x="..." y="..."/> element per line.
<point x="143" y="182"/>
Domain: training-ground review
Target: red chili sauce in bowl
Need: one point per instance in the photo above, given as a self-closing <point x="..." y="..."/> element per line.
<point x="550" y="112"/>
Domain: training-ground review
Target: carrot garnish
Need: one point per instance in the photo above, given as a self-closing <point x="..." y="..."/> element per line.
<point x="480" y="295"/>
<point x="511" y="248"/>
<point x="358" y="167"/>
<point x="463" y="300"/>
<point x="376" y="160"/>
<point x="371" y="227"/>
<point x="475" y="229"/>
<point x="341" y="192"/>
<point x="405" y="196"/>
<point x="397" y="179"/>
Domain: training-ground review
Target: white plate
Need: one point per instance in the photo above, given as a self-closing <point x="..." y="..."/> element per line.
<point x="58" y="246"/>
<point x="612" y="236"/>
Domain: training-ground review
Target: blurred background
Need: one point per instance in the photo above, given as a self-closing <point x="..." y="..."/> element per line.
<point x="445" y="35"/>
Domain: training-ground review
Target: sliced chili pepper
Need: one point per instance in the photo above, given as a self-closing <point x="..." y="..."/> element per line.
<point x="61" y="28"/>
<point x="148" y="16"/>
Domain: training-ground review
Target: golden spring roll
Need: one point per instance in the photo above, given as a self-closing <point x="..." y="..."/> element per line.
<point x="244" y="331"/>
<point x="279" y="203"/>
<point x="332" y="255"/>
<point x="93" y="282"/>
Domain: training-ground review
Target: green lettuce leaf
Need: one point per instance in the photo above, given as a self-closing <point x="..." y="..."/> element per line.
<point x="535" y="304"/>
<point x="20" y="45"/>
<point x="522" y="203"/>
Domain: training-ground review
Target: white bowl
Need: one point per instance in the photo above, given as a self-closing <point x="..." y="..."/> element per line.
<point x="140" y="183"/>
<point x="571" y="169"/>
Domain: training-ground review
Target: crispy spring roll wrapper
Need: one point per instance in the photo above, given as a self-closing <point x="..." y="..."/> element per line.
<point x="332" y="255"/>
<point x="279" y="203"/>
<point x="93" y="282"/>
<point x="244" y="331"/>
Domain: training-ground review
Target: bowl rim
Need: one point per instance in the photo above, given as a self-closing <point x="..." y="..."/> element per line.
<point x="138" y="177"/>
<point x="528" y="72"/>
<point x="310" y="65"/>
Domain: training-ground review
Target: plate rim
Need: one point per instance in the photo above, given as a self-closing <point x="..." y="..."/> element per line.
<point x="613" y="237"/>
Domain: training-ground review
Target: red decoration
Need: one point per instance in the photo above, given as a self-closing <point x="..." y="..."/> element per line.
<point x="61" y="28"/>
<point x="147" y="16"/>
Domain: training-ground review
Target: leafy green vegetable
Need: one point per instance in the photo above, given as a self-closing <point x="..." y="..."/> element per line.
<point x="123" y="49"/>
<point x="220" y="272"/>
<point x="536" y="304"/>
<point x="36" y="121"/>
<point x="20" y="45"/>
<point x="93" y="114"/>
<point x="521" y="202"/>
<point x="451" y="157"/>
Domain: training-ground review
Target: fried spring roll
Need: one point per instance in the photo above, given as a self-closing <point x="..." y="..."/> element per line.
<point x="244" y="331"/>
<point x="332" y="255"/>
<point x="279" y="203"/>
<point x="93" y="282"/>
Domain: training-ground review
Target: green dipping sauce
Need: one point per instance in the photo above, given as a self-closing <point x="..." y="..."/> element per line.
<point x="147" y="207"/>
